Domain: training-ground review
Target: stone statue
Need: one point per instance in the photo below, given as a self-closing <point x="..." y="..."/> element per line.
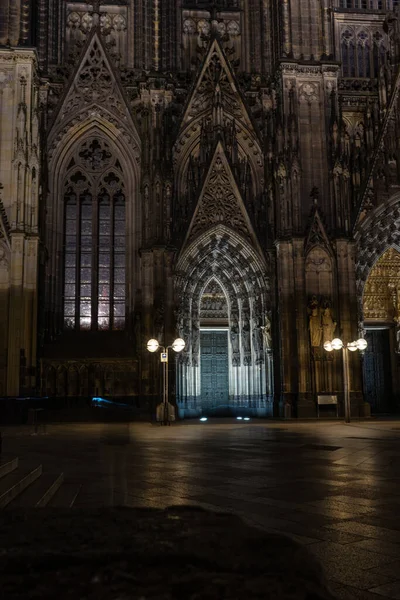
<point x="195" y="336"/>
<point x="314" y="323"/>
<point x="267" y="336"/>
<point x="234" y="334"/>
<point x="246" y="335"/>
<point x="328" y="324"/>
<point x="258" y="337"/>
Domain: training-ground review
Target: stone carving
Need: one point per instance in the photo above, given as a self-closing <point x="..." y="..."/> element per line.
<point x="246" y="344"/>
<point x="195" y="340"/>
<point x="95" y="154"/>
<point x="327" y="322"/>
<point x="216" y="80"/>
<point x="95" y="84"/>
<point x="218" y="203"/>
<point x="234" y="334"/>
<point x="4" y="260"/>
<point x="213" y="302"/>
<point x="258" y="338"/>
<point x="314" y="323"/>
<point x="267" y="335"/>
<point x="380" y="296"/>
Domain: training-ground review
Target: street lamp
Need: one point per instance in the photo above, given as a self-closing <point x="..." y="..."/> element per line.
<point x="337" y="344"/>
<point x="177" y="346"/>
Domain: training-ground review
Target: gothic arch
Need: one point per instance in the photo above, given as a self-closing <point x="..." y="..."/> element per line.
<point x="188" y="145"/>
<point x="223" y="255"/>
<point x="379" y="231"/>
<point x="63" y="162"/>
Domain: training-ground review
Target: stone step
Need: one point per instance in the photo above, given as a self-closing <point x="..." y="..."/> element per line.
<point x="16" y="482"/>
<point x="39" y="493"/>
<point x="8" y="465"/>
<point x="65" y="496"/>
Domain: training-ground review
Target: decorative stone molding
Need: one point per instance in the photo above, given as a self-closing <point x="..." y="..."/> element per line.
<point x="95" y="93"/>
<point x="379" y="231"/>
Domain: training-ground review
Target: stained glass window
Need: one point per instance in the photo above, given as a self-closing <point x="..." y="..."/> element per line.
<point x="94" y="250"/>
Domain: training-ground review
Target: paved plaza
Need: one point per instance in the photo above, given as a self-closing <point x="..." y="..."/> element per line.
<point x="331" y="486"/>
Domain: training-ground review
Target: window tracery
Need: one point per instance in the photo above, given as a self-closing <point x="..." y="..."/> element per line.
<point x="113" y="25"/>
<point x="94" y="240"/>
<point x="368" y="4"/>
<point x="363" y="52"/>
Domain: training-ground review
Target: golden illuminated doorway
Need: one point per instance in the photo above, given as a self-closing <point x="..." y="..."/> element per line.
<point x="381" y="310"/>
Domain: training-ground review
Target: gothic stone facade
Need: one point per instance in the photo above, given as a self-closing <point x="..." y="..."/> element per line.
<point x="224" y="171"/>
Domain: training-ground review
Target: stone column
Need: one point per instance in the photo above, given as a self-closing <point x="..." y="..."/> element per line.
<point x="287" y="362"/>
<point x="305" y="401"/>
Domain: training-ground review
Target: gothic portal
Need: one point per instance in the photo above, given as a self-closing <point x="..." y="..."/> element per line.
<point x="224" y="171"/>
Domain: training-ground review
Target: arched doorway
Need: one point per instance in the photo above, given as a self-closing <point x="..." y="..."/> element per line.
<point x="224" y="316"/>
<point x="214" y="349"/>
<point x="381" y="311"/>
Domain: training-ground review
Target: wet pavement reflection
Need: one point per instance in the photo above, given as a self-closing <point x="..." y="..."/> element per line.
<point x="333" y="487"/>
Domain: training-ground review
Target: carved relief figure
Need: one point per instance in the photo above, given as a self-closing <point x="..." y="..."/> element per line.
<point x="267" y="336"/>
<point x="195" y="338"/>
<point x="258" y="337"/>
<point x="328" y="324"/>
<point x="246" y="341"/>
<point x="314" y="323"/>
<point x="234" y="333"/>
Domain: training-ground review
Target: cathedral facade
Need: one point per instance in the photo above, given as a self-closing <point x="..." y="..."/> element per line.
<point x="225" y="171"/>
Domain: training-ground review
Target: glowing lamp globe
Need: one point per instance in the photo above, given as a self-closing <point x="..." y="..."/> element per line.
<point x="337" y="344"/>
<point x="178" y="345"/>
<point x="361" y="344"/>
<point x="328" y="346"/>
<point x="152" y="345"/>
<point x="352" y="346"/>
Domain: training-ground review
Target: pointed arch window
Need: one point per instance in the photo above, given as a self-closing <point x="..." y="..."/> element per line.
<point x="363" y="53"/>
<point x="94" y="241"/>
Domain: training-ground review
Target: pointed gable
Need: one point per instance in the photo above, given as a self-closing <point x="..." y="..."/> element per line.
<point x="220" y="202"/>
<point x="317" y="235"/>
<point x="94" y="83"/>
<point x="216" y="83"/>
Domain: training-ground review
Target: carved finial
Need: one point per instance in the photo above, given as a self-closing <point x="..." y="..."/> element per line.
<point x="315" y="195"/>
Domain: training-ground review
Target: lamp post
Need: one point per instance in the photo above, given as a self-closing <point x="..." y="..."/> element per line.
<point x="177" y="346"/>
<point x="337" y="344"/>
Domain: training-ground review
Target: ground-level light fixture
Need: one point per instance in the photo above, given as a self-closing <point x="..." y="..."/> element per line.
<point x="337" y="344"/>
<point x="152" y="346"/>
<point x="203" y="419"/>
